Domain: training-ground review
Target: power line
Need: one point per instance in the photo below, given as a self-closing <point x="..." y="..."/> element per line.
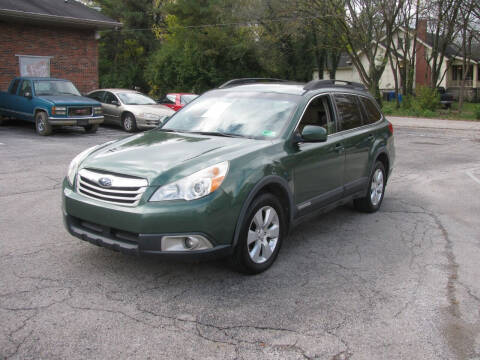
<point x="243" y="23"/>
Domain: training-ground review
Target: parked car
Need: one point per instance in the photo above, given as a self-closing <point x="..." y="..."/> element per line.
<point x="176" y="101"/>
<point x="446" y="99"/>
<point x="233" y="172"/>
<point x="49" y="102"/>
<point x="130" y="109"/>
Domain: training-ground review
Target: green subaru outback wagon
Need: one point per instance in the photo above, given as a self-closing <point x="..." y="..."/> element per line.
<point x="232" y="172"/>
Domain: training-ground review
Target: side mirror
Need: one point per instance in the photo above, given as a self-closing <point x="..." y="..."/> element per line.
<point x="115" y="102"/>
<point x="28" y="95"/>
<point x="314" y="133"/>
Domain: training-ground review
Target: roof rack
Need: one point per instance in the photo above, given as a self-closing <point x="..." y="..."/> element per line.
<point x="319" y="84"/>
<point x="244" y="81"/>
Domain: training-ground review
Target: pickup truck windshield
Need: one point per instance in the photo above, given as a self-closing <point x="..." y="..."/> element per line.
<point x="54" y="87"/>
<point x="135" y="99"/>
<point x="254" y="115"/>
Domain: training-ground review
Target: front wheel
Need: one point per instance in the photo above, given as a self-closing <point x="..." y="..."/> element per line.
<point x="261" y="235"/>
<point x="42" y="125"/>
<point x="129" y="123"/>
<point x="372" y="201"/>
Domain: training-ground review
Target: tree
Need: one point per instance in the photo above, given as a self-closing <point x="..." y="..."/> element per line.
<point x="199" y="49"/>
<point x="443" y="15"/>
<point x="124" y="52"/>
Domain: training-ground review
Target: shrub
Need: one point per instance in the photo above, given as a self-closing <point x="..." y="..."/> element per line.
<point x="426" y="99"/>
<point x="477" y="112"/>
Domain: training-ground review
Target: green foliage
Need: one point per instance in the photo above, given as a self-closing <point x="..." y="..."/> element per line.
<point x="123" y="52"/>
<point x="426" y="99"/>
<point x="477" y="112"/>
<point x="196" y="59"/>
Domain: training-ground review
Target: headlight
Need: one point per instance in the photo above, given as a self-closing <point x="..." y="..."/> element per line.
<point x="77" y="160"/>
<point x="149" y="116"/>
<point x="98" y="110"/>
<point x="195" y="186"/>
<point x="59" y="110"/>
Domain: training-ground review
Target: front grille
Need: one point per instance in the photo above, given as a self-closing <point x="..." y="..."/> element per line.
<point x="114" y="189"/>
<point x="80" y="111"/>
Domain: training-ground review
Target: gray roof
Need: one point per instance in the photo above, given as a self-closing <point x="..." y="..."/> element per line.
<point x="69" y="13"/>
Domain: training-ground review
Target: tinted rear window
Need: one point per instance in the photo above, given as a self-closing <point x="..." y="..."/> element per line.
<point x="371" y="111"/>
<point x="349" y="112"/>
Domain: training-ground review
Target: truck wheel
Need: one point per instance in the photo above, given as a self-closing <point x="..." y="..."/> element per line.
<point x="129" y="123"/>
<point x="91" y="129"/>
<point x="261" y="235"/>
<point x="42" y="126"/>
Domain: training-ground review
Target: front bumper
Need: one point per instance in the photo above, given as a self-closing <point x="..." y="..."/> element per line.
<point x="139" y="230"/>
<point x="136" y="244"/>
<point x="147" y="123"/>
<point x="79" y="121"/>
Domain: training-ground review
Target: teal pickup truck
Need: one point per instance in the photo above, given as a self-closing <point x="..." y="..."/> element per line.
<point x="49" y="102"/>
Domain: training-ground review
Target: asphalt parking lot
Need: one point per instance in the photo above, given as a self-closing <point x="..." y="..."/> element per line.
<point x="399" y="284"/>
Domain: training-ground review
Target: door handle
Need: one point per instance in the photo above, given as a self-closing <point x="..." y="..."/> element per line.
<point x="370" y="137"/>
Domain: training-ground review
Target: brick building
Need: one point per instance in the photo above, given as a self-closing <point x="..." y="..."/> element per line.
<point x="56" y="38"/>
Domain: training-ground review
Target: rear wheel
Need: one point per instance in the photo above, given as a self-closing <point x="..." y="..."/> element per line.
<point x="129" y="123"/>
<point x="372" y="201"/>
<point x="261" y="235"/>
<point x="90" y="129"/>
<point x="42" y="125"/>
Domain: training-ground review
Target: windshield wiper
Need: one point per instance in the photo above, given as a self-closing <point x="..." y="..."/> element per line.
<point x="216" y="133"/>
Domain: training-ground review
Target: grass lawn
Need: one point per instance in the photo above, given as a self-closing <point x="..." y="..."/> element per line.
<point x="470" y="112"/>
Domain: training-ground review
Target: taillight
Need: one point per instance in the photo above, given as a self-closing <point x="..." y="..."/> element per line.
<point x="390" y="128"/>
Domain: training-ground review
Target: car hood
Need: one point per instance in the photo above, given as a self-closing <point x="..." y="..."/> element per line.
<point x="150" y="109"/>
<point x="163" y="157"/>
<point x="69" y="100"/>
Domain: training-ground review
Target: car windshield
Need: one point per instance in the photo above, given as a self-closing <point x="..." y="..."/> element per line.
<point x="54" y="87"/>
<point x="185" y="99"/>
<point x="245" y="114"/>
<point x="131" y="98"/>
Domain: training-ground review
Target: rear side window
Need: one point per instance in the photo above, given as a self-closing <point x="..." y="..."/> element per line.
<point x="349" y="115"/>
<point x="14" y="88"/>
<point x="372" y="114"/>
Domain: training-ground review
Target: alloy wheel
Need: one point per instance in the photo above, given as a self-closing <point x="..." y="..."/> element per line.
<point x="376" y="188"/>
<point x="263" y="234"/>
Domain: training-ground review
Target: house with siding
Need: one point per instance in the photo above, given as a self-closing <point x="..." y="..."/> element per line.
<point x="451" y="67"/>
<point x="51" y="38"/>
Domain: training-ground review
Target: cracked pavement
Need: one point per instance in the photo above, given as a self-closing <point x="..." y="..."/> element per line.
<point x="398" y="284"/>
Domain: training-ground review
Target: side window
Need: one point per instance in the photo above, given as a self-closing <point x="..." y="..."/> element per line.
<point x="109" y="97"/>
<point x="14" y="88"/>
<point x="97" y="95"/>
<point x="349" y="114"/>
<point x="25" y="87"/>
<point x="167" y="100"/>
<point x="318" y="113"/>
<point x="371" y="111"/>
<point x="172" y="98"/>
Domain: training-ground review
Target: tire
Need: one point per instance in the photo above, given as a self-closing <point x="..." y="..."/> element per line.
<point x="129" y="123"/>
<point x="258" y="247"/>
<point x="375" y="192"/>
<point x="42" y="126"/>
<point x="91" y="129"/>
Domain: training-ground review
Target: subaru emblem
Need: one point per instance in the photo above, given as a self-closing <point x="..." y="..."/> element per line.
<point x="105" y="182"/>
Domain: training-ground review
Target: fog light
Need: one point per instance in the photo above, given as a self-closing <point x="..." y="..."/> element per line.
<point x="185" y="243"/>
<point x="191" y="243"/>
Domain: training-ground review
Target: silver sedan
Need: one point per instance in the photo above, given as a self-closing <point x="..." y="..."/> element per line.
<point x="130" y="109"/>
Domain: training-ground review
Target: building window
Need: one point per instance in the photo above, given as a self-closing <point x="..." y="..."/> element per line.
<point x="38" y="66"/>
<point x="457" y="72"/>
